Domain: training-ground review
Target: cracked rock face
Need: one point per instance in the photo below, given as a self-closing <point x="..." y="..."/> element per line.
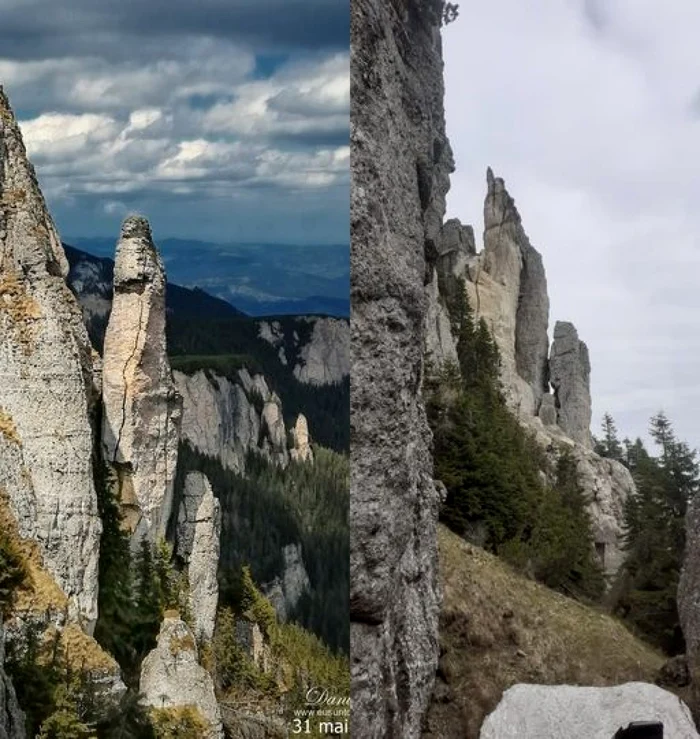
<point x="400" y="174"/>
<point x="141" y="406"/>
<point x="46" y="393"/>
<point x="272" y="422"/>
<point x="570" y="371"/>
<point x="171" y="676"/>
<point x="198" y="544"/>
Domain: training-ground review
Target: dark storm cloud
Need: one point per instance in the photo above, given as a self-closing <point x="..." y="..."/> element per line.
<point x="208" y="102"/>
<point x="38" y="29"/>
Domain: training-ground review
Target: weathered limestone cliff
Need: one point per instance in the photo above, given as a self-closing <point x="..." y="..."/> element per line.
<point x="198" y="545"/>
<point x="142" y="409"/>
<point x="171" y="676"/>
<point x="400" y="174"/>
<point x="506" y="286"/>
<point x="324" y="359"/>
<point x="285" y="592"/>
<point x="570" y="370"/>
<point x="228" y="418"/>
<point x="46" y="386"/>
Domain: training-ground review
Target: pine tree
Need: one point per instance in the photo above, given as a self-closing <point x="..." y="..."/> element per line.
<point x="609" y="446"/>
<point x="654" y="534"/>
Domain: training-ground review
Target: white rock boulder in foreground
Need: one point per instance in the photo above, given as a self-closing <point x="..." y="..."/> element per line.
<point x="566" y="711"/>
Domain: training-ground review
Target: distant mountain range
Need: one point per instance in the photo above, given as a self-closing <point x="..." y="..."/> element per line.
<point x="258" y="279"/>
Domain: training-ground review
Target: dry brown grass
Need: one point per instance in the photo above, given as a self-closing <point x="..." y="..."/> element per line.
<point x="8" y="428"/>
<point x="41" y="592"/>
<point x="182" y="644"/>
<point x="13" y="196"/>
<point x="81" y="651"/>
<point x="499" y="629"/>
<point x="21" y="308"/>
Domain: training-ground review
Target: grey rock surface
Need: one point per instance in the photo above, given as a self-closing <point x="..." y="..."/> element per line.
<point x="171" y="676"/>
<point x="47" y="390"/>
<point x="325" y="359"/>
<point x="142" y="410"/>
<point x="400" y="174"/>
<point x="284" y="592"/>
<point x="11" y="716"/>
<point x="565" y="711"/>
<point x="198" y="545"/>
<point x="274" y="432"/>
<point x="570" y="372"/>
<point x="218" y="417"/>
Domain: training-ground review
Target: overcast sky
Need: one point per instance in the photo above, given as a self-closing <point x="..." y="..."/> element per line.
<point x="219" y="119"/>
<point x="590" y="111"/>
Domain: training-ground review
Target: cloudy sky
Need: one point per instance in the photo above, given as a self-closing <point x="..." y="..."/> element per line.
<point x="224" y="120"/>
<point x="590" y="111"/>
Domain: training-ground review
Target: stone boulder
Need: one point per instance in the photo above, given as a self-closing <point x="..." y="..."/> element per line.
<point x="47" y="391"/>
<point x="565" y="711"/>
<point x="142" y="409"/>
<point x="198" y="545"/>
<point x="171" y="676"/>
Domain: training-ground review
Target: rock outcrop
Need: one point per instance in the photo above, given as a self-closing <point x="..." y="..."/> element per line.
<point x="400" y="175"/>
<point x="274" y="433"/>
<point x="285" y="592"/>
<point x="507" y="287"/>
<point x="324" y="359"/>
<point x="552" y="712"/>
<point x="570" y="371"/>
<point x="219" y="416"/>
<point x="11" y="716"/>
<point x="141" y="406"/>
<point x="301" y="451"/>
<point x="198" y="545"/>
<point x="171" y="676"/>
<point x="46" y="393"/>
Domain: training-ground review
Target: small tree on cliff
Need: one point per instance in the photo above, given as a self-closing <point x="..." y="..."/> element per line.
<point x="609" y="445"/>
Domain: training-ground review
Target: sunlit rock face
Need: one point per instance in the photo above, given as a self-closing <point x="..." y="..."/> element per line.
<point x="142" y="409"/>
<point x="46" y="389"/>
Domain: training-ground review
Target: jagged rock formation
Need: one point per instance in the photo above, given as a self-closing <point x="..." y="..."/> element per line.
<point x="219" y="417"/>
<point x="273" y="430"/>
<point x="284" y="592"/>
<point x="324" y="359"/>
<point x="400" y="174"/>
<point x="689" y="599"/>
<point x="570" y="371"/>
<point x="171" y="676"/>
<point x="550" y="712"/>
<point x="507" y="287"/>
<point x="243" y="725"/>
<point x="301" y="452"/>
<point x="46" y="393"/>
<point x="142" y="409"/>
<point x="11" y="717"/>
<point x="198" y="544"/>
<point x="318" y="348"/>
